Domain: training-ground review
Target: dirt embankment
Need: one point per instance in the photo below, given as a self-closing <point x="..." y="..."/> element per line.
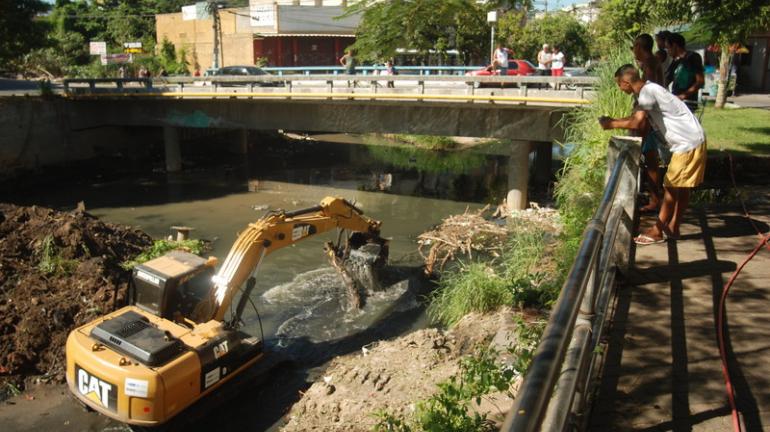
<point x="58" y="270"/>
<point x="394" y="375"/>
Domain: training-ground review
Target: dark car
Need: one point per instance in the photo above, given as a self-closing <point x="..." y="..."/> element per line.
<point x="247" y="72"/>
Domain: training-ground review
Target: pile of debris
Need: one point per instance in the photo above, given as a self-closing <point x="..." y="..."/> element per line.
<point x="58" y="270"/>
<point x="480" y="232"/>
<point x="461" y="235"/>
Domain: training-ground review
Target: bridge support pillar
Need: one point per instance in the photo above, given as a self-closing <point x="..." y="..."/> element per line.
<point x="242" y="142"/>
<point x="543" y="162"/>
<point x="173" y="150"/>
<point x="518" y="175"/>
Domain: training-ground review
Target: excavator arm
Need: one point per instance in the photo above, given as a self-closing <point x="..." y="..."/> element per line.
<point x="280" y="229"/>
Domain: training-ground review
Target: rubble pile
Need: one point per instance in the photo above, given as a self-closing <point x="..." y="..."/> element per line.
<point x="58" y="270"/>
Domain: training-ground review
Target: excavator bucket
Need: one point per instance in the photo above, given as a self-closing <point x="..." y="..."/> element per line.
<point x="360" y="265"/>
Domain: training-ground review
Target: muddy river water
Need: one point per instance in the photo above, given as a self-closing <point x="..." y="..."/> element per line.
<point x="298" y="295"/>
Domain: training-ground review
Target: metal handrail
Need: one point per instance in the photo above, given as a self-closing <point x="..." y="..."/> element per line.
<point x="577" y="319"/>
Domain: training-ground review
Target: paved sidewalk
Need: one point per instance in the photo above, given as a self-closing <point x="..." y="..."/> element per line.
<point x="751" y="100"/>
<point x="662" y="370"/>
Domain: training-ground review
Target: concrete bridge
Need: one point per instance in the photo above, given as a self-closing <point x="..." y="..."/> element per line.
<point x="448" y="106"/>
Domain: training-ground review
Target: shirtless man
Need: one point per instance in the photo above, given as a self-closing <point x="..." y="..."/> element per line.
<point x="651" y="71"/>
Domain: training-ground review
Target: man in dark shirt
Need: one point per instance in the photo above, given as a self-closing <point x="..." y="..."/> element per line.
<point x="686" y="71"/>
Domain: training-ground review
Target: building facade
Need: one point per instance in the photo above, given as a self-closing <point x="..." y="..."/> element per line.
<point x="274" y="33"/>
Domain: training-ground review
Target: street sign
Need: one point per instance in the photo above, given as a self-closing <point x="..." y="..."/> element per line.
<point x="195" y="12"/>
<point x="262" y="15"/>
<point x="492" y="16"/>
<point x="97" y="48"/>
<point x="132" y="48"/>
<point x="117" y="59"/>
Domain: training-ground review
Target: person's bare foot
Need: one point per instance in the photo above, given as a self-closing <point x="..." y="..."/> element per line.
<point x="649" y="208"/>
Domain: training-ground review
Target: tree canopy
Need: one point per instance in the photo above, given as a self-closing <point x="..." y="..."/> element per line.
<point x="20" y="31"/>
<point x="559" y="28"/>
<point x="426" y="26"/>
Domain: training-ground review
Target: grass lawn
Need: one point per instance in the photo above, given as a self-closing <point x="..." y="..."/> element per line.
<point x="740" y="130"/>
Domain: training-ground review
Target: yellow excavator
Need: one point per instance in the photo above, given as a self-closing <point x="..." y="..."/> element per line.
<point x="179" y="339"/>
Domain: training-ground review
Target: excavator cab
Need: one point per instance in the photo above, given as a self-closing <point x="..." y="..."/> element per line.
<point x="175" y="286"/>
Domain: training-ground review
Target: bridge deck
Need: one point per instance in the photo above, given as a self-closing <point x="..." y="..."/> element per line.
<point x="662" y="368"/>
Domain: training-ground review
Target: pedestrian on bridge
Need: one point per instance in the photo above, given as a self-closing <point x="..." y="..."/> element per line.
<point x="544" y="61"/>
<point x="684" y="137"/>
<point x="500" y="61"/>
<point x="348" y="61"/>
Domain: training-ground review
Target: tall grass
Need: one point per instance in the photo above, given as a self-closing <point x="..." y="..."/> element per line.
<point x="160" y="247"/>
<point x="519" y="278"/>
<point x="581" y="180"/>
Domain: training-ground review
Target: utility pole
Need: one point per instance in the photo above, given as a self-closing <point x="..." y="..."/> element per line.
<point x="213" y="9"/>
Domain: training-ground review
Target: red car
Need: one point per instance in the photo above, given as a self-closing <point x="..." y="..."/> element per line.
<point x="515" y="67"/>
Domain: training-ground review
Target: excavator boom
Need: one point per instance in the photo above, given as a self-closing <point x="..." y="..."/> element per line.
<point x="280" y="229"/>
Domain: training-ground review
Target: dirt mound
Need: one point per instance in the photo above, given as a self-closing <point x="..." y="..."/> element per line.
<point x="57" y="271"/>
<point x="392" y="375"/>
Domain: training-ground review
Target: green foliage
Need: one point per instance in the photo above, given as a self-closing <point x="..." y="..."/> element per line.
<point x="414" y="157"/>
<point x="581" y="181"/>
<point x="160" y="247"/>
<point x="424" y="25"/>
<point x="20" y="30"/>
<point x="168" y="60"/>
<point x="387" y="422"/>
<point x="559" y="28"/>
<point x="623" y="20"/>
<point x="516" y="279"/>
<point x="430" y="142"/>
<point x="730" y="21"/>
<point x="52" y="263"/>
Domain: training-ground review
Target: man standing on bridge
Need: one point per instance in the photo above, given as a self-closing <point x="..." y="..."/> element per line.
<point x="683" y="135"/>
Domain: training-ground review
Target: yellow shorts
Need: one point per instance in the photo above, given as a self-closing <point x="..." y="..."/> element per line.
<point x="686" y="170"/>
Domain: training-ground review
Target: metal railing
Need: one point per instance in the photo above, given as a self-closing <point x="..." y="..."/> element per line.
<point x="374" y="70"/>
<point x="556" y="391"/>
<point x="558" y="90"/>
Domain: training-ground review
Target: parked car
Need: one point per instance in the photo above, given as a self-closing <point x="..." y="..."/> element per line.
<point x="515" y="68"/>
<point x="247" y="71"/>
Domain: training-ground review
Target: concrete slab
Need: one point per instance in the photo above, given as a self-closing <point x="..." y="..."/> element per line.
<point x="662" y="369"/>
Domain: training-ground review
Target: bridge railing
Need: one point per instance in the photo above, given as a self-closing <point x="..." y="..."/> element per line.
<point x="573" y="88"/>
<point x="375" y="70"/>
<point x="557" y="389"/>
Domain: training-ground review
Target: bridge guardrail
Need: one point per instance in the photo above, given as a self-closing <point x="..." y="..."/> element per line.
<point x="375" y="69"/>
<point x="381" y="86"/>
<point x="557" y="389"/>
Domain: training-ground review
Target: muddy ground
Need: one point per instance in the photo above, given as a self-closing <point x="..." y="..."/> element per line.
<point x="58" y="270"/>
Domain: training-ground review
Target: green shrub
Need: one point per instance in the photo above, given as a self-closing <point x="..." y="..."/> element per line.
<point x="519" y="278"/>
<point x="581" y="180"/>
<point x="160" y="247"/>
<point x="51" y="261"/>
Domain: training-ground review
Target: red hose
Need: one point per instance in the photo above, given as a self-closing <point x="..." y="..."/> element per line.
<point x="720" y="327"/>
<point x="720" y="316"/>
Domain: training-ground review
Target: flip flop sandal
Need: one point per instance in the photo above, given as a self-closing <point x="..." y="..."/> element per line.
<point x="644" y="240"/>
